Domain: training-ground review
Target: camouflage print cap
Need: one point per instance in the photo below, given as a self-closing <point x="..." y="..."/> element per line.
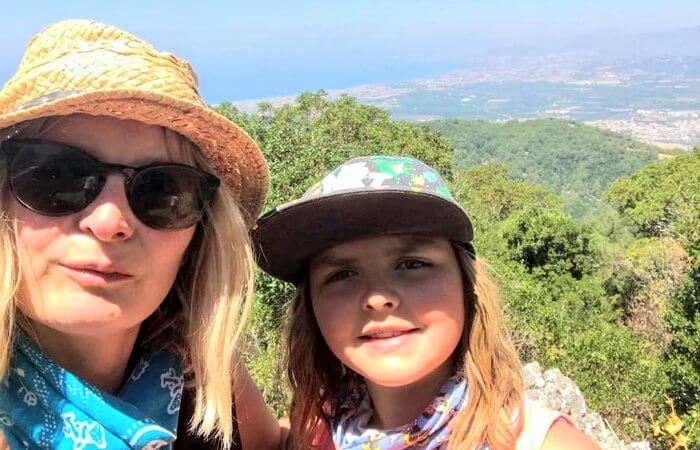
<point x="362" y="197"/>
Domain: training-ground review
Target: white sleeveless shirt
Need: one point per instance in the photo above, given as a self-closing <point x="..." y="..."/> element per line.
<point x="538" y="421"/>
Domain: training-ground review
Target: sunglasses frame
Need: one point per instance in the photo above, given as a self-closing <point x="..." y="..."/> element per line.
<point x="8" y="152"/>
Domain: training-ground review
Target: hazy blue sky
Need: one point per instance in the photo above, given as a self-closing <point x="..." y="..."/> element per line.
<point x="258" y="49"/>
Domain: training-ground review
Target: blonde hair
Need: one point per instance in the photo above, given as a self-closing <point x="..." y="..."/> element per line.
<point x="203" y="316"/>
<point x="486" y="357"/>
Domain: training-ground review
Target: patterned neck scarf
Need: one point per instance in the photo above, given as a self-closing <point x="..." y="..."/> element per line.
<point x="429" y="431"/>
<point x="43" y="406"/>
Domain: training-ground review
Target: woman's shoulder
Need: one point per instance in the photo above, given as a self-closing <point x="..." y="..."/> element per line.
<point x="189" y="440"/>
<point x="253" y="422"/>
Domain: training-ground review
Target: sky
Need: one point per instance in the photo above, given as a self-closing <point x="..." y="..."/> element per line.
<point x="257" y="49"/>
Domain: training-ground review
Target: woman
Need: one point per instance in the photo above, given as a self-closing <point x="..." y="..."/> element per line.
<point x="126" y="264"/>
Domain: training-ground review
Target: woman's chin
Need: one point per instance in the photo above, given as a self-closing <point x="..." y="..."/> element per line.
<point x="95" y="316"/>
<point x="86" y="324"/>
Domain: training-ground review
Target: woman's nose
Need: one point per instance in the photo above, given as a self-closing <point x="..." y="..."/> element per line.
<point x="109" y="217"/>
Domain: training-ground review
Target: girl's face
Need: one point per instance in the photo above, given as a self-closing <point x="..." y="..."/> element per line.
<point x="391" y="307"/>
<point x="100" y="270"/>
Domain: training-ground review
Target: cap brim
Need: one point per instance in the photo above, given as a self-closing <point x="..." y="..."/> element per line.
<point x="287" y="238"/>
<point x="229" y="149"/>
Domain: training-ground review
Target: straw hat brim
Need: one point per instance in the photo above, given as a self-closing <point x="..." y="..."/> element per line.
<point x="288" y="237"/>
<point x="232" y="153"/>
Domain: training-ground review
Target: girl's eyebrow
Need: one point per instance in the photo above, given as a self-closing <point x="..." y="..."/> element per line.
<point x="404" y="245"/>
<point x="329" y="259"/>
<point x="411" y="243"/>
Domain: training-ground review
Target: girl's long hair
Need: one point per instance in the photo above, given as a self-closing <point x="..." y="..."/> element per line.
<point x="486" y="357"/>
<point x="203" y="316"/>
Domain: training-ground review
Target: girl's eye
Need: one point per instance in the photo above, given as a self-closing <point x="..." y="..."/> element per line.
<point x="339" y="276"/>
<point x="411" y="264"/>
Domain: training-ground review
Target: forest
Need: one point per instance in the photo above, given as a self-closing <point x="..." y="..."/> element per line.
<point x="592" y="237"/>
<point x="575" y="161"/>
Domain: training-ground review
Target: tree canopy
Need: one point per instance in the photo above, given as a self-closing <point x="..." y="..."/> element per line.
<point x="575" y="161"/>
<point x="663" y="199"/>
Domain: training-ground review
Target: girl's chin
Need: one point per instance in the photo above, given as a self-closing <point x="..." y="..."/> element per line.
<point x="396" y="377"/>
<point x="392" y="382"/>
<point x="397" y="371"/>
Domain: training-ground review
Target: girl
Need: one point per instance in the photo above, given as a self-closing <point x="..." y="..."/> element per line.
<point x="396" y="336"/>
<point x="125" y="259"/>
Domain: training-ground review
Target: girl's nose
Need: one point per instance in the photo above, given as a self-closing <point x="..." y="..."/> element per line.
<point x="381" y="299"/>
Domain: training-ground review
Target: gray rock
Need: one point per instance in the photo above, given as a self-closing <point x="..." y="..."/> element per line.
<point x="643" y="445"/>
<point x="532" y="374"/>
<point x="560" y="393"/>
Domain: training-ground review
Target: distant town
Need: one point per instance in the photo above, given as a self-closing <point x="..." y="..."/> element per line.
<point x="668" y="129"/>
<point x="655" y="100"/>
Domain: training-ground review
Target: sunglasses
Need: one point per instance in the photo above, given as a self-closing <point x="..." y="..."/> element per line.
<point x="56" y="179"/>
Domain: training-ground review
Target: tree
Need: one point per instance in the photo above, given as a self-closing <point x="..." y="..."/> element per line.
<point x="662" y="203"/>
<point x="663" y="199"/>
<point x="548" y="241"/>
<point x="683" y="357"/>
<point x="642" y="283"/>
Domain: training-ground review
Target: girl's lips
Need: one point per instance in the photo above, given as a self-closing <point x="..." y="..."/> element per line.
<point x="388" y="340"/>
<point x="93" y="278"/>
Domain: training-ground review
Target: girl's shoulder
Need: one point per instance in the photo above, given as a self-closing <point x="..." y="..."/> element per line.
<point x="564" y="435"/>
<point x="3" y="443"/>
<point x="546" y="429"/>
<point x="537" y="421"/>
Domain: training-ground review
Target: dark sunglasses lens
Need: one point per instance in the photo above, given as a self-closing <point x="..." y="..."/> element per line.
<point x="169" y="197"/>
<point x="53" y="179"/>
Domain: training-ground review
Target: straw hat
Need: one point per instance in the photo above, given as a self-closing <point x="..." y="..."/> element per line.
<point x="79" y="66"/>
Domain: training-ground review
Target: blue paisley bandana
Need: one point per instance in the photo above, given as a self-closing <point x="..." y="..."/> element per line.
<point x="43" y="406"/>
<point x="429" y="431"/>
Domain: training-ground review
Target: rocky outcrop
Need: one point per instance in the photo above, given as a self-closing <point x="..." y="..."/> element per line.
<point x="560" y="393"/>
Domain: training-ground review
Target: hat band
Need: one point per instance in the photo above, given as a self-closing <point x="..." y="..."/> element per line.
<point x="48" y="98"/>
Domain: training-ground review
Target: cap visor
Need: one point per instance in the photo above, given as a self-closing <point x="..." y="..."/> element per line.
<point x="286" y="239"/>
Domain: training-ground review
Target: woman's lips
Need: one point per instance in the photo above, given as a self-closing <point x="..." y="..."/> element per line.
<point x="91" y="277"/>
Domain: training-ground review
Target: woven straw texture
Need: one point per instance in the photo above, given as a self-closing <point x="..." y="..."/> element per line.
<point x="79" y="66"/>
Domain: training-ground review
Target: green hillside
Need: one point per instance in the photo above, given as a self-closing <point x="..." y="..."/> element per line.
<point x="575" y="161"/>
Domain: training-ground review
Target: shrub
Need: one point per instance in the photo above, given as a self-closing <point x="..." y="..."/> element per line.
<point x="548" y="241"/>
<point x="682" y="360"/>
